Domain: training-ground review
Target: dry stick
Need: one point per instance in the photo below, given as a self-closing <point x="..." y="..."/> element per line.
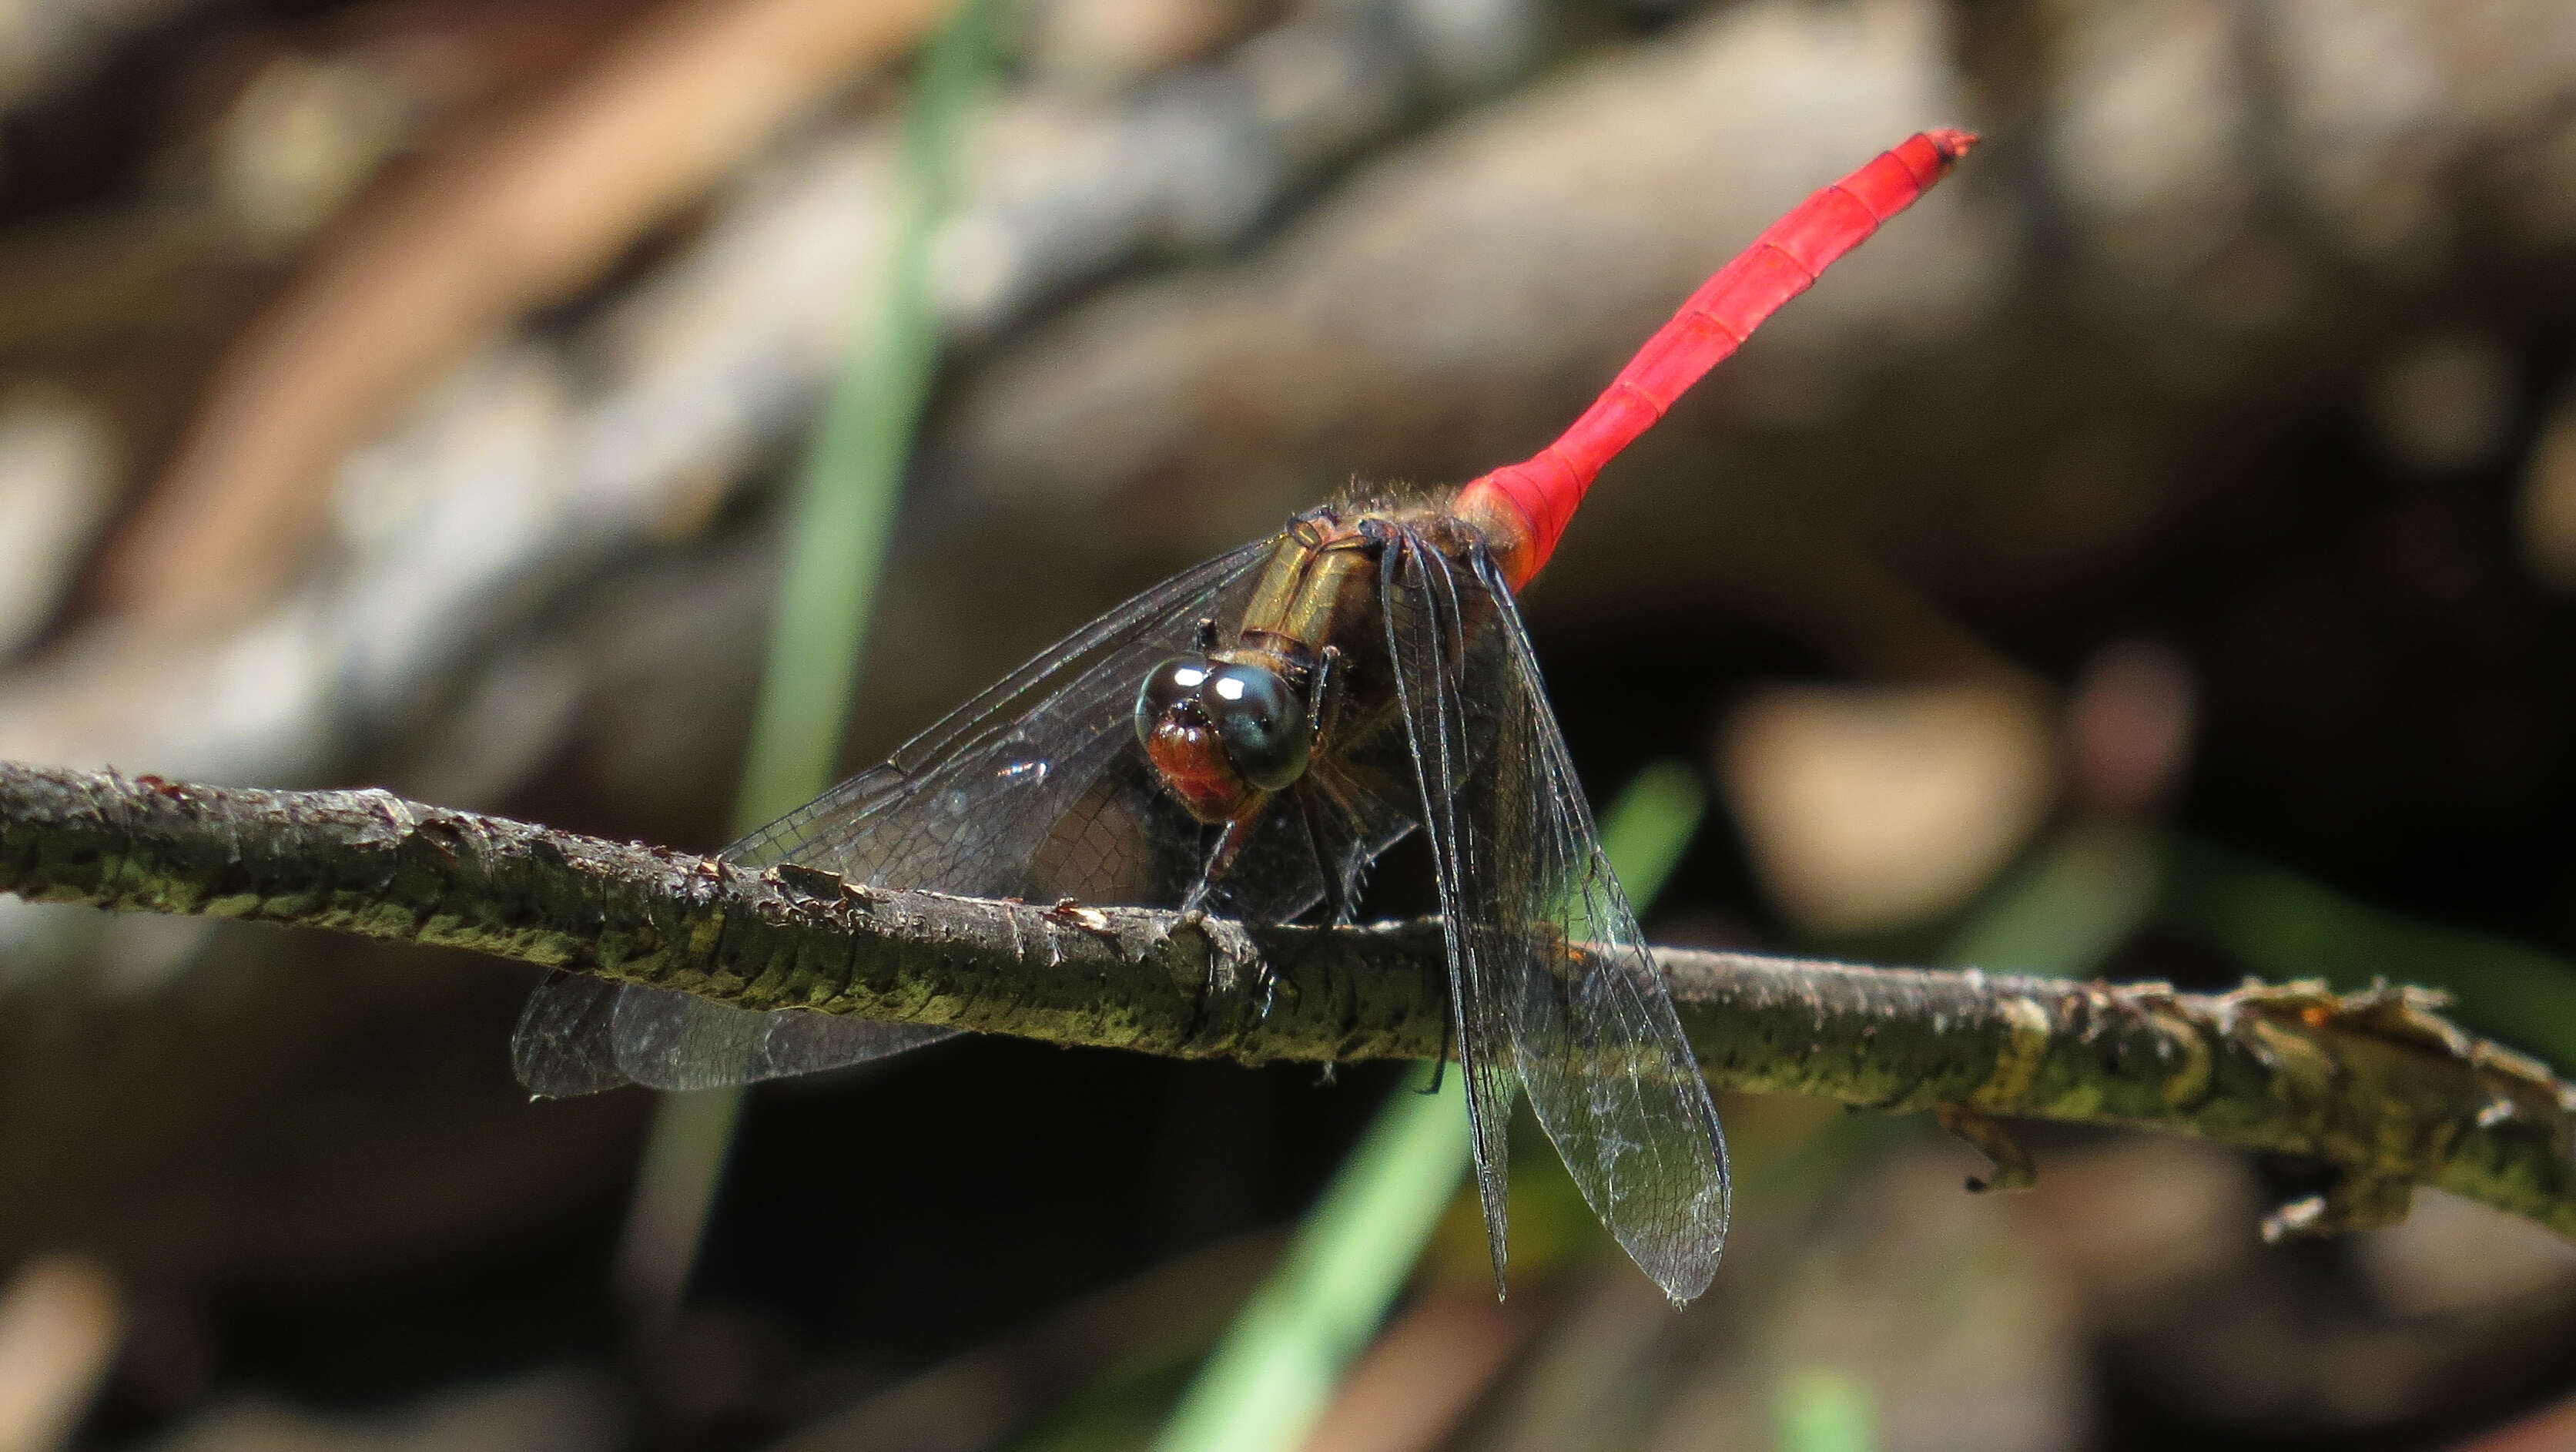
<point x="526" y="209"/>
<point x="2376" y="1085"/>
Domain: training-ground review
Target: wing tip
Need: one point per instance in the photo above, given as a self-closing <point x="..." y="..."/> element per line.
<point x="1686" y="1278"/>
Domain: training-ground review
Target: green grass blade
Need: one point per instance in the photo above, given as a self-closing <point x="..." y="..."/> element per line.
<point x="1275" y="1370"/>
<point x="2283" y="925"/>
<point x="844" y="505"/>
<point x="2068" y="907"/>
<point x="2077" y="899"/>
<point x="1651" y="825"/>
<point x="1821" y="1410"/>
<point x="1272" y="1375"/>
<point x="839" y="518"/>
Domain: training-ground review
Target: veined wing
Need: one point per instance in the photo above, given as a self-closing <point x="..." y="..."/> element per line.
<point x="1039" y="789"/>
<point x="1550" y="978"/>
<point x="942" y="812"/>
<point x="1034" y="789"/>
<point x="580" y="1035"/>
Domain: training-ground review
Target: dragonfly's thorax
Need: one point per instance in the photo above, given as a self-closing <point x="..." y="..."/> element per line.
<point x="1321" y="572"/>
<point x="1237" y="721"/>
<point x="1320" y="587"/>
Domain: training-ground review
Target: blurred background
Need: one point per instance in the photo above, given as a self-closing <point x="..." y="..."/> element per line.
<point x="2152" y="556"/>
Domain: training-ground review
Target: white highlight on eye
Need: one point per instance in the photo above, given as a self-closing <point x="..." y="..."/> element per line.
<point x="1231" y="688"/>
<point x="1188" y="677"/>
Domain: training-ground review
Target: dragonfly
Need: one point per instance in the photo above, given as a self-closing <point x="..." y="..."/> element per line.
<point x="1246" y="738"/>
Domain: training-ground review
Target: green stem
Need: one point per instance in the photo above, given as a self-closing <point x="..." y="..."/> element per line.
<point x="1275" y="1370"/>
<point x="844" y="505"/>
<point x="838" y="522"/>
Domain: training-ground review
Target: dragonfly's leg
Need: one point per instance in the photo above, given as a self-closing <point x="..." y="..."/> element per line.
<point x="1197" y="898"/>
<point x="1336" y="892"/>
<point x="1230" y="845"/>
<point x="1230" y="842"/>
<point x="1206" y="637"/>
<point x="1220" y="860"/>
<point x="1448" y="1027"/>
<point x="1323" y="705"/>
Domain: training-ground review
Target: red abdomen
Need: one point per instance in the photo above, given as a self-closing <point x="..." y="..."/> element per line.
<point x="1523" y="508"/>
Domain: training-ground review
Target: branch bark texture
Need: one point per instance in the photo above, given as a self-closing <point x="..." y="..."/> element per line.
<point x="2376" y="1085"/>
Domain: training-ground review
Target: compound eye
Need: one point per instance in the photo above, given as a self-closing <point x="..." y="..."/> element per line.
<point x="1179" y="679"/>
<point x="1261" y="722"/>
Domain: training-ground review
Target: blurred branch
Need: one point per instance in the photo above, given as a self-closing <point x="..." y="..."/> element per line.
<point x="47" y="45"/>
<point x="533" y="208"/>
<point x="565" y="453"/>
<point x="2375" y="1084"/>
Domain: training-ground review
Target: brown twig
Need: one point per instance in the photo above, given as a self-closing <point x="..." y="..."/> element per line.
<point x="2376" y="1085"/>
<point x="521" y="214"/>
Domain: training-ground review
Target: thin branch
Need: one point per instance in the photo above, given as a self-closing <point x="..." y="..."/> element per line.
<point x="2377" y="1085"/>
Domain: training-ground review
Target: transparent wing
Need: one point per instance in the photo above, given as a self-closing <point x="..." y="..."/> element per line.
<point x="580" y="1035"/>
<point x="974" y="804"/>
<point x="669" y="1040"/>
<point x="1551" y="980"/>
<point x="1426" y="632"/>
<point x="563" y="1044"/>
<point x="1035" y="789"/>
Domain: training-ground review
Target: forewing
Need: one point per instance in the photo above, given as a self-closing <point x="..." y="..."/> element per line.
<point x="1427" y="643"/>
<point x="1035" y="789"/>
<point x="1550" y="970"/>
<point x="1036" y="785"/>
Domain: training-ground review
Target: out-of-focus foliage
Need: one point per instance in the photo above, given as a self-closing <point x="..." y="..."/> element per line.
<point x="2150" y="557"/>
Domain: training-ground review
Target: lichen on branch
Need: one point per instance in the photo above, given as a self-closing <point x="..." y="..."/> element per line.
<point x="2376" y="1085"/>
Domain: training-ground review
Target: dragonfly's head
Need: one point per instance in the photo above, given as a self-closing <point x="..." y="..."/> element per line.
<point x="1221" y="732"/>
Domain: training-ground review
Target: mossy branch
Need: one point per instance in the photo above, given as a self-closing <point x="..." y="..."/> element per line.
<point x="2376" y="1085"/>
